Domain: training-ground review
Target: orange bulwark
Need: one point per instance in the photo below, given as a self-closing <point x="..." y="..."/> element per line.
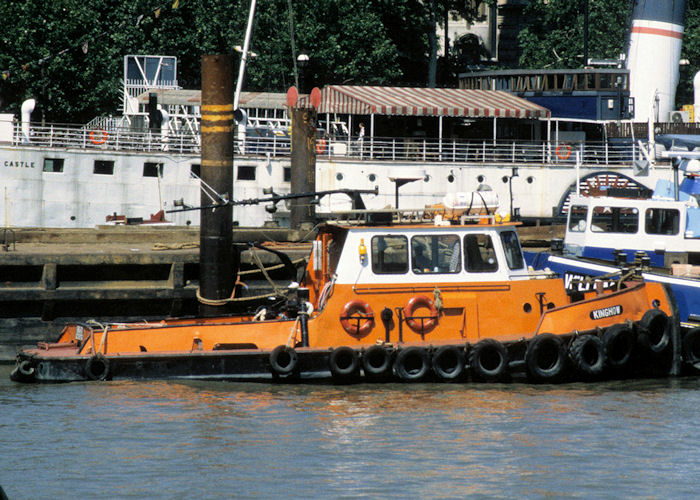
<point x="412" y="302"/>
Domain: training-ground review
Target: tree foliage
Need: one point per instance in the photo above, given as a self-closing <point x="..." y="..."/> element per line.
<point x="554" y="34"/>
<point x="553" y="37"/>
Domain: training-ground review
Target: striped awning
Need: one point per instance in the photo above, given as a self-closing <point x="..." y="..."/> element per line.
<point x="408" y="101"/>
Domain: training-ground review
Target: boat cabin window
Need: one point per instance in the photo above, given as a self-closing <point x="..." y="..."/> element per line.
<point x="152" y="169"/>
<point x="662" y="221"/>
<point x="577" y="218"/>
<point x="389" y="254"/>
<point x="245" y="173"/>
<point x="511" y="246"/>
<point x="103" y="167"/>
<point x="53" y="165"/>
<point x="615" y="220"/>
<point x="436" y="254"/>
<point x="479" y="254"/>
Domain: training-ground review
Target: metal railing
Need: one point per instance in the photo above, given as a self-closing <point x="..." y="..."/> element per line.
<point x="372" y="148"/>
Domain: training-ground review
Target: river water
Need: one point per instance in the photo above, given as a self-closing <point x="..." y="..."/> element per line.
<point x="224" y="440"/>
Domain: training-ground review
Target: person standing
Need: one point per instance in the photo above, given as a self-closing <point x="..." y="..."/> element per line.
<point x="361" y="138"/>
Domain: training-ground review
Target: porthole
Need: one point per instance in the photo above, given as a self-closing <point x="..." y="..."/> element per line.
<point x="339" y="176"/>
<point x="450" y="178"/>
<point x="530" y="180"/>
<point x="371" y="177"/>
<point x="480" y="179"/>
<point x="505" y="179"/>
<point x="527" y="307"/>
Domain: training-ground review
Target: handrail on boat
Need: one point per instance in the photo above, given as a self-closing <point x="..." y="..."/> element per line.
<point x="404" y="149"/>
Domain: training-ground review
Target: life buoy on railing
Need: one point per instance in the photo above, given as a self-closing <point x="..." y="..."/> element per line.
<point x="321" y="146"/>
<point x="420" y="324"/>
<point x="98" y="136"/>
<point x="563" y="151"/>
<point x="357" y="318"/>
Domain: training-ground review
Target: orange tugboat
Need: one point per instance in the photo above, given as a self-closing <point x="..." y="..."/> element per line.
<point x="394" y="299"/>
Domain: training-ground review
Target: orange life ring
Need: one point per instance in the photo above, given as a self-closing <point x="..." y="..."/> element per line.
<point x="563" y="156"/>
<point x="321" y="146"/>
<point x="420" y="324"/>
<point x="98" y="140"/>
<point x="357" y="318"/>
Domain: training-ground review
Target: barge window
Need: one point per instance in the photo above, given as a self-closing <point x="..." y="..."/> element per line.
<point x="246" y="173"/>
<point x="662" y="221"/>
<point x="577" y="218"/>
<point x="152" y="169"/>
<point x="103" y="167"/>
<point x="479" y="254"/>
<point x="389" y="254"/>
<point x="615" y="220"/>
<point x="511" y="246"/>
<point x="53" y="165"/>
<point x="436" y="254"/>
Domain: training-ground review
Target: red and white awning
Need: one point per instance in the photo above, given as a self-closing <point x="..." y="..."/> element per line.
<point x="408" y="101"/>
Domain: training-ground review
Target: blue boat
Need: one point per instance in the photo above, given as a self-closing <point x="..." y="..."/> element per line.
<point x="607" y="236"/>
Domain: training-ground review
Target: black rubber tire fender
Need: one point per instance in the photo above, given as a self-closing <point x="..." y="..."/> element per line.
<point x="376" y="362"/>
<point x="344" y="362"/>
<point x="545" y="358"/>
<point x="488" y="360"/>
<point x="448" y="362"/>
<point x="618" y="341"/>
<point x="97" y="368"/>
<point x="587" y="354"/>
<point x="412" y="364"/>
<point x="691" y="346"/>
<point x="655" y="331"/>
<point x="283" y="360"/>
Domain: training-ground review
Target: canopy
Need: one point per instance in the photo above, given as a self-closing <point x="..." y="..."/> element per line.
<point x="409" y="101"/>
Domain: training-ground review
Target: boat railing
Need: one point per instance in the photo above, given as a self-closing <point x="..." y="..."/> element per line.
<point x="400" y="149"/>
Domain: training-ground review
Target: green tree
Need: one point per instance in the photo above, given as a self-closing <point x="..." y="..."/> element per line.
<point x="554" y="36"/>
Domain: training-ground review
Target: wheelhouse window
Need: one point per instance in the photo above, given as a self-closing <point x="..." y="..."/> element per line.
<point x="662" y="221"/>
<point x="389" y="254"/>
<point x="511" y="247"/>
<point x="53" y="165"/>
<point x="577" y="218"/>
<point x="103" y="167"/>
<point x="615" y="220"/>
<point x="151" y="169"/>
<point x="479" y="254"/>
<point x="436" y="254"/>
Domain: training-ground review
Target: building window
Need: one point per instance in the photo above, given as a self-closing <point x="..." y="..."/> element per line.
<point x="104" y="167"/>
<point x="151" y="169"/>
<point x="53" y="164"/>
<point x="389" y="255"/>
<point x="246" y="173"/>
